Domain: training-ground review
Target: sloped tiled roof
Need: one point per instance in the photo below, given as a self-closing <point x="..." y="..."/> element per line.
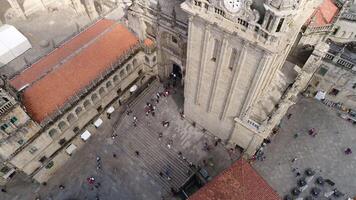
<point x="98" y="47"/>
<point x="324" y="14"/>
<point x="239" y="182"/>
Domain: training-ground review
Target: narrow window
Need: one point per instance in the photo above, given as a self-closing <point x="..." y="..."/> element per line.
<point x="33" y="150"/>
<point x="216" y="50"/>
<point x="280" y="25"/>
<point x="232" y="59"/>
<point x="174" y="40"/>
<point x="334" y="92"/>
<point x="269" y="22"/>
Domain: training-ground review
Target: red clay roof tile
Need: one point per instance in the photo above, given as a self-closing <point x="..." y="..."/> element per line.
<point x="239" y="182"/>
<point x="324" y="14"/>
<point x="51" y="92"/>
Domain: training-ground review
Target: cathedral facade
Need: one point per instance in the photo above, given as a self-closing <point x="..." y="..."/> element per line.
<point x="236" y="72"/>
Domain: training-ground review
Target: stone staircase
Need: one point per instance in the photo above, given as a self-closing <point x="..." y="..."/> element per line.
<point x="155" y="156"/>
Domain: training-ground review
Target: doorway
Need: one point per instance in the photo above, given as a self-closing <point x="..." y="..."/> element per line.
<point x="177" y="71"/>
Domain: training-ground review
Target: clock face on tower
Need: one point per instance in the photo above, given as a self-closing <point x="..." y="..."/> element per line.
<point x="233" y="5"/>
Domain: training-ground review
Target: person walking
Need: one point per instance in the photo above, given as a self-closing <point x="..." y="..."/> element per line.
<point x="137" y="153"/>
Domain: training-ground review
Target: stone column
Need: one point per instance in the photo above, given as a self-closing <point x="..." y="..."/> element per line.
<point x="89" y="4"/>
<point x="220" y="65"/>
<point x="255" y="88"/>
<point x="236" y="74"/>
<point x="202" y="62"/>
<point x="15" y="5"/>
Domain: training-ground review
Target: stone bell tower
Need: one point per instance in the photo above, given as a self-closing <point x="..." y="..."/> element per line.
<point x="236" y="48"/>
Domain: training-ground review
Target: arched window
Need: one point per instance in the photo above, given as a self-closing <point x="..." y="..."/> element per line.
<point x="135" y="63"/>
<point x="128" y="68"/>
<point x="101" y="91"/>
<point x="71" y="118"/>
<point x="94" y="97"/>
<point x="52" y="132"/>
<point x="122" y="73"/>
<point x="147" y="60"/>
<point x="116" y="78"/>
<point x="154" y="59"/>
<point x="86" y="104"/>
<point x="78" y="110"/>
<point x="108" y="84"/>
<point x="62" y="125"/>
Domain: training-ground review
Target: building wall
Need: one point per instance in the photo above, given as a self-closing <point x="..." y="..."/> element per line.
<point x="44" y="148"/>
<point x="220" y="96"/>
<point x="331" y="77"/>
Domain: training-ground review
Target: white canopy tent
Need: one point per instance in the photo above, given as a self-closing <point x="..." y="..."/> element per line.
<point x="86" y="135"/>
<point x="12" y="44"/>
<point x="98" y="122"/>
<point x="70" y="149"/>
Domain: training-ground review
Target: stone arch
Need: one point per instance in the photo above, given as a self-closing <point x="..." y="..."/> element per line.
<point x="78" y="110"/>
<point x="108" y="84"/>
<point x="86" y="104"/>
<point x="116" y="78"/>
<point x="71" y="118"/>
<point x="62" y="125"/>
<point x="52" y="132"/>
<point x="94" y="97"/>
<point x="122" y="73"/>
<point x="135" y="63"/>
<point x="101" y="91"/>
<point x="128" y="68"/>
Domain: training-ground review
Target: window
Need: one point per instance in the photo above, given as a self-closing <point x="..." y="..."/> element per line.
<point x="322" y="71"/>
<point x="174" y="39"/>
<point x="42" y="159"/>
<point x="94" y="97"/>
<point x="334" y="92"/>
<point x="33" y="149"/>
<point x="216" y="50"/>
<point x="128" y="68"/>
<point x="5" y="169"/>
<point x="86" y="104"/>
<point x="206" y="6"/>
<point x="269" y="22"/>
<point x="354" y="86"/>
<point x="52" y="132"/>
<point x="101" y="91"/>
<point x="70" y="118"/>
<point x="4" y="127"/>
<point x="20" y="142"/>
<point x="135" y="63"/>
<point x="280" y="25"/>
<point x="122" y="73"/>
<point x="62" y="125"/>
<point x="154" y="59"/>
<point x="232" y="59"/>
<point x="147" y="60"/>
<point x="50" y="165"/>
<point x="78" y="110"/>
<point x="13" y="120"/>
<point x="108" y="84"/>
<point x="62" y="141"/>
<point x="116" y="78"/>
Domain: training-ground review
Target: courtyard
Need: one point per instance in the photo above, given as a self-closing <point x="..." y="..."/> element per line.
<point x="123" y="174"/>
<point x="293" y="150"/>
